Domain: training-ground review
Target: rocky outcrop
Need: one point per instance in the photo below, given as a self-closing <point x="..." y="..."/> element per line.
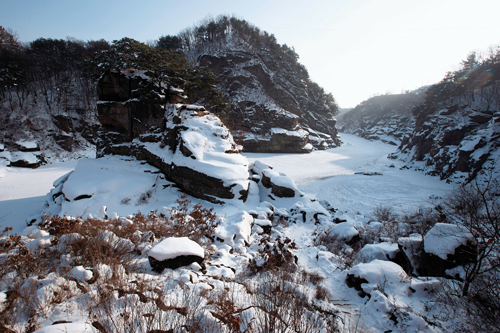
<point x="24" y="154"/>
<point x="266" y="94"/>
<point x="189" y="145"/>
<point x="453" y="142"/>
<point x="278" y="141"/>
<point x="387" y="118"/>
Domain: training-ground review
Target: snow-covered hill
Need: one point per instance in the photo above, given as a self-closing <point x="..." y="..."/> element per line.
<point x="273" y="99"/>
<point x="454" y="136"/>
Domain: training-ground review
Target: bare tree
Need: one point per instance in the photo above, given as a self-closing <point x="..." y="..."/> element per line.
<point x="476" y="207"/>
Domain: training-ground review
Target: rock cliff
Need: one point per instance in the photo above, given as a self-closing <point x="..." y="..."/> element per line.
<point x="454" y="138"/>
<point x="275" y="106"/>
<point x="188" y="144"/>
<point x="387" y="118"/>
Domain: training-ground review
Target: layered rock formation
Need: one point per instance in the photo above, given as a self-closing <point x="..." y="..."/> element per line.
<point x="268" y="90"/>
<point x="272" y="106"/>
<point x="187" y="143"/>
<point x="387" y="118"/>
<point x="456" y="141"/>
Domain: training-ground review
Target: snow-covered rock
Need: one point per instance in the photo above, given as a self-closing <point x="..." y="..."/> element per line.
<point x="443" y="239"/>
<point x="175" y="252"/>
<point x="80" y="273"/>
<point x="446" y="246"/>
<point x="188" y="144"/>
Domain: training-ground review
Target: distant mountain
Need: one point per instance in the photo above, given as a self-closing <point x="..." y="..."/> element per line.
<point x="450" y="129"/>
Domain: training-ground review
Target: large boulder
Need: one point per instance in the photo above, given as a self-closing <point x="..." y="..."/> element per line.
<point x="386" y="251"/>
<point x="446" y="246"/>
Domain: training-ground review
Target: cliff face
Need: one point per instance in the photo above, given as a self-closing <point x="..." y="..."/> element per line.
<point x="387" y="118"/>
<point x="457" y="141"/>
<point x="455" y="138"/>
<point x="188" y="144"/>
<point x="275" y="107"/>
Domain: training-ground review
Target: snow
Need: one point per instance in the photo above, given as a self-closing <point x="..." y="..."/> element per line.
<point x="109" y="185"/>
<point x="19" y="156"/>
<point x="80" y="273"/>
<point x="324" y="175"/>
<point x="77" y="327"/>
<point x="23" y="192"/>
<point x="380" y="251"/>
<point x="27" y="144"/>
<point x="444" y="238"/>
<point x="330" y="175"/>
<point x="344" y="230"/>
<point x="174" y="247"/>
<point x="299" y="133"/>
<point x="380" y="274"/>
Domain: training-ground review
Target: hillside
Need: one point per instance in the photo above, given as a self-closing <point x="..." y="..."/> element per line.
<point x="450" y="129"/>
<point x="48" y="91"/>
<point x="388" y="117"/>
<point x="276" y="107"/>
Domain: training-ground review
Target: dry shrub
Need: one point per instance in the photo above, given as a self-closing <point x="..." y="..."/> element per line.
<point x="227" y="312"/>
<point x="384" y="213"/>
<point x="110" y="243"/>
<point x="94" y="247"/>
<point x="282" y="305"/>
<point x="129" y="309"/>
<point x="421" y="220"/>
<point x="322" y="293"/>
<point x="347" y="251"/>
<point x="273" y="255"/>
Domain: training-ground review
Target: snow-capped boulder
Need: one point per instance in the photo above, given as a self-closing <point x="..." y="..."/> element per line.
<point x="80" y="273"/>
<point x="446" y="246"/>
<point x="23" y="159"/>
<point x="277" y="183"/>
<point x="175" y="252"/>
<point x="386" y="251"/>
<point x="346" y="232"/>
<point x="380" y="275"/>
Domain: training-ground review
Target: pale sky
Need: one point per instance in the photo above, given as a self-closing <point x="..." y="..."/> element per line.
<point x="354" y="49"/>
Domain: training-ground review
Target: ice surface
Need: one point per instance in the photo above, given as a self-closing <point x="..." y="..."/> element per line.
<point x="329" y="175"/>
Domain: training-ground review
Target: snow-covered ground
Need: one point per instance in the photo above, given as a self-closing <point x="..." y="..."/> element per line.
<point x="335" y="175"/>
<point x="329" y="175"/>
<point x="23" y="192"/>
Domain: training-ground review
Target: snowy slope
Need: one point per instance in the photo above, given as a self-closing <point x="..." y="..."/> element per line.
<point x="329" y="175"/>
